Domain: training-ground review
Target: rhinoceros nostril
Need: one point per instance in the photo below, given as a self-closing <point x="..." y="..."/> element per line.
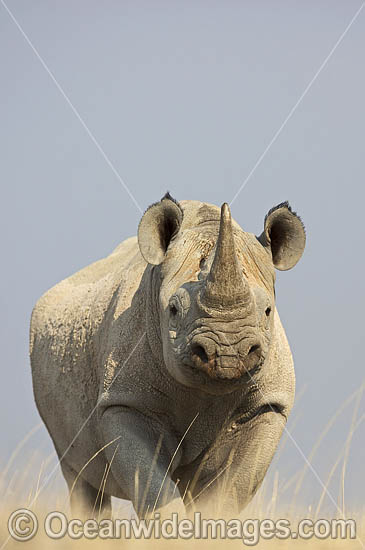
<point x="198" y="351"/>
<point x="254" y="349"/>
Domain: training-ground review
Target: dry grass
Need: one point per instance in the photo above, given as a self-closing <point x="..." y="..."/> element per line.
<point x="37" y="487"/>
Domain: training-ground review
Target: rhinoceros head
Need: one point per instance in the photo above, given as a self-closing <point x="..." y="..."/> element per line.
<point x="215" y="287"/>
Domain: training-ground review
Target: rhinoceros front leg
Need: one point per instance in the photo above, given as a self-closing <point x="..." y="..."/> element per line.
<point x="140" y="460"/>
<point x="233" y="469"/>
<point x="85" y="501"/>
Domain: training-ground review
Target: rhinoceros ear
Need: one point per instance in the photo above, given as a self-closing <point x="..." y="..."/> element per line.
<point x="158" y="225"/>
<point x="284" y="235"/>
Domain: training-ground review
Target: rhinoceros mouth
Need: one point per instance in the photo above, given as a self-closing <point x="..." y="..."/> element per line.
<point x="229" y="374"/>
<point x="200" y="380"/>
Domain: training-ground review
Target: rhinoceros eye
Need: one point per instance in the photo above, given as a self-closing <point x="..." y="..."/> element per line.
<point x="267" y="311"/>
<point x="174" y="315"/>
<point x="202" y="263"/>
<point x="173" y="310"/>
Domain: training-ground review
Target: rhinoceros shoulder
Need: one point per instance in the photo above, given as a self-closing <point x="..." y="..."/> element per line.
<point x="79" y="302"/>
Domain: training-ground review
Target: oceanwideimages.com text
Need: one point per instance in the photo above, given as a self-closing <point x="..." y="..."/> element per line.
<point x="23" y="525"/>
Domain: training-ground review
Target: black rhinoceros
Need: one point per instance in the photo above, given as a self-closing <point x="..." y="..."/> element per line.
<point x="162" y="372"/>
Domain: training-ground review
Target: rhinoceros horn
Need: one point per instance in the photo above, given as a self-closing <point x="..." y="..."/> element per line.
<point x="225" y="285"/>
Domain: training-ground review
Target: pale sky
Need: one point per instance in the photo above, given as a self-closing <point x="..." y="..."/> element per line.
<point x="187" y="96"/>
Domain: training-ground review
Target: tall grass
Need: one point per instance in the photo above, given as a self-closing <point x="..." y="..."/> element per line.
<point x="38" y="486"/>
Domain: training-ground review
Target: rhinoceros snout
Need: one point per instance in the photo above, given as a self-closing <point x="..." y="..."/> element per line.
<point x="223" y="361"/>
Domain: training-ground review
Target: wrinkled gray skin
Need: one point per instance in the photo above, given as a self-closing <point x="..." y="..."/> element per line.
<point x="168" y="360"/>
